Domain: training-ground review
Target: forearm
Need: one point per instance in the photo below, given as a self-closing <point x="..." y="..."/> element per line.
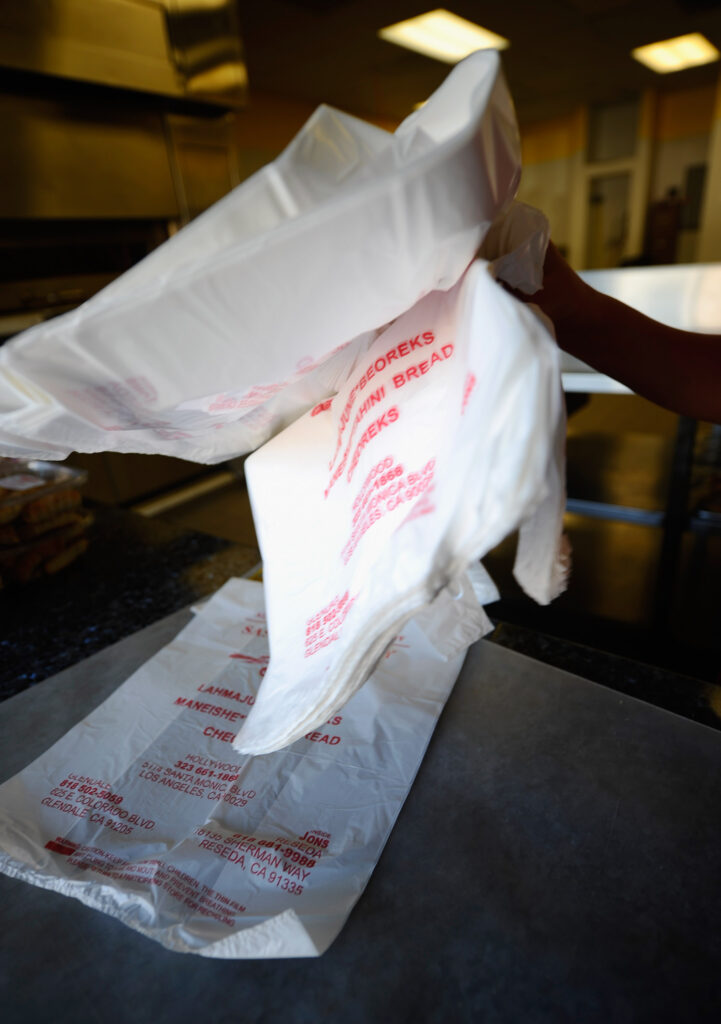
<point x="676" y="369"/>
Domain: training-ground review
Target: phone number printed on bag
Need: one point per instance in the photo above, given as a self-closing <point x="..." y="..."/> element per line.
<point x="386" y="488"/>
<point x="323" y="628"/>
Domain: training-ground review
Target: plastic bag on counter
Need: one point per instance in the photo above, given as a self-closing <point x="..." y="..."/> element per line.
<point x="145" y="811"/>
<point x="448" y="436"/>
<point x="258" y="309"/>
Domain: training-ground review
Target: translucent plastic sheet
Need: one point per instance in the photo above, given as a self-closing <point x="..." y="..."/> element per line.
<point x="145" y="811"/>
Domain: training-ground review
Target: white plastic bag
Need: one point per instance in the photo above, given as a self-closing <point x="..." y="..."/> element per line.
<point x="144" y="810"/>
<point x="255" y="311"/>
<point x="447" y="436"/>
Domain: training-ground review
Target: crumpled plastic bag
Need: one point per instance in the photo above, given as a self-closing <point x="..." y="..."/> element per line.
<point x="256" y="310"/>
<point x="331" y="304"/>
<point x="145" y="811"/>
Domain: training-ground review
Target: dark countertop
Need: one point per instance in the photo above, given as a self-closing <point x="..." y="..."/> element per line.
<point x="557" y="860"/>
<point x="138" y="570"/>
<point x="684" y="695"/>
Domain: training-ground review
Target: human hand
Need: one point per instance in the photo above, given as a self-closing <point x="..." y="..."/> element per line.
<point x="565" y="299"/>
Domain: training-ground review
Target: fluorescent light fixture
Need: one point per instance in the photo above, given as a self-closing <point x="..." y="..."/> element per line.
<point x="677" y="54"/>
<point x="442" y="35"/>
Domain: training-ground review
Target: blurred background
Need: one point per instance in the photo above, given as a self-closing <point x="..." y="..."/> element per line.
<point x="122" y="120"/>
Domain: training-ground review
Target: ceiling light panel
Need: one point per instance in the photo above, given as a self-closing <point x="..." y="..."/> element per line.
<point x="442" y="35"/>
<point x="677" y="54"/>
